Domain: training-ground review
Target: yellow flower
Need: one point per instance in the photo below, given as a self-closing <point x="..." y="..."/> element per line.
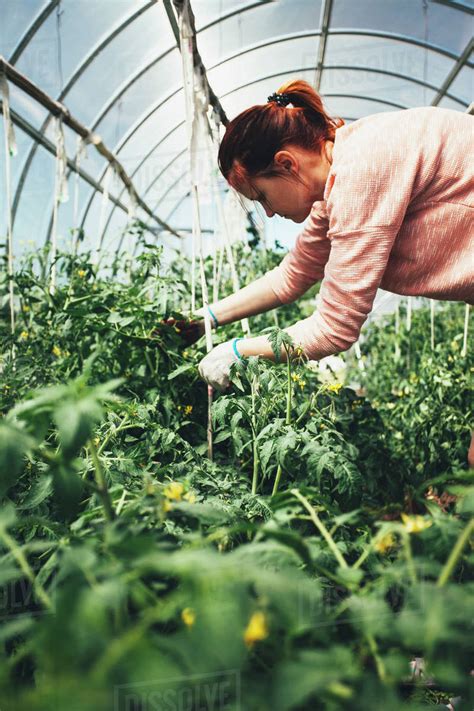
<point x="334" y="387"/>
<point x="185" y="354"/>
<point x="385" y="543"/>
<point x="81" y="273"/>
<point x="256" y="630"/>
<point x="166" y="506"/>
<point x="188" y="616"/>
<point x="174" y="490"/>
<point x="415" y="524"/>
<point x="25" y="308"/>
<point x="96" y="441"/>
<point x="190" y="497"/>
<point x="24" y="335"/>
<point x="56" y="351"/>
<point x="188" y="409"/>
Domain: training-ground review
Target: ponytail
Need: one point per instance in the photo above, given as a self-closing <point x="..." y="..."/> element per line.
<point x="254" y="137"/>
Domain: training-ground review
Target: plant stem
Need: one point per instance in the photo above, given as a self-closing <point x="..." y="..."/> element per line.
<point x="378" y="661"/>
<point x="26" y="568"/>
<point x="321" y="528"/>
<point x="277" y="480"/>
<point x="122" y="426"/>
<point x="455" y="554"/>
<point x="103" y="491"/>
<point x="288" y="416"/>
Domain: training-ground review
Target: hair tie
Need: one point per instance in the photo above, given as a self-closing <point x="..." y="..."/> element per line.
<point x="280" y="99"/>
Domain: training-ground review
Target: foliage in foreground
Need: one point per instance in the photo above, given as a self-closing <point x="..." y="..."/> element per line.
<point x="328" y="543"/>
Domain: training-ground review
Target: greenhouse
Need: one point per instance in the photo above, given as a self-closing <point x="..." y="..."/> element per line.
<point x="236" y="355"/>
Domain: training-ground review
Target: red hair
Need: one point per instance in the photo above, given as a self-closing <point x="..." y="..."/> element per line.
<point x="254" y="136"/>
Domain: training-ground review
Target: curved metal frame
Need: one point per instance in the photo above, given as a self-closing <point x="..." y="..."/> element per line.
<point x="284" y="38"/>
<point x="346" y="31"/>
<point x="89" y="58"/>
<point x="69" y="84"/>
<point x="40" y="19"/>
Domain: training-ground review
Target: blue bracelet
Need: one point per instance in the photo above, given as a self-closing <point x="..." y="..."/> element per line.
<point x="234" y="347"/>
<point x="213" y="316"/>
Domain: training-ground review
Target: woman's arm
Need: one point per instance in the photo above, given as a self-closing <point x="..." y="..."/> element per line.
<point x="302" y="267"/>
<point x="255" y="298"/>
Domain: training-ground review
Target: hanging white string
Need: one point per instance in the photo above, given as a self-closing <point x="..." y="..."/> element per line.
<point x="195" y="104"/>
<point x="10" y="151"/>
<point x="185" y="34"/>
<point x="432" y="315"/>
<point x="466" y="326"/>
<point x="132" y="215"/>
<point x="103" y="209"/>
<point x="80" y="154"/>
<point x="397" y="331"/>
<point x="60" y="195"/>
<point x="358" y="355"/>
<point x="225" y="237"/>
<point x="408" y="313"/>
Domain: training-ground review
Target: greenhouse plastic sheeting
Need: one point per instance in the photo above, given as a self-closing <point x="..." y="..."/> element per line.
<point x="116" y="66"/>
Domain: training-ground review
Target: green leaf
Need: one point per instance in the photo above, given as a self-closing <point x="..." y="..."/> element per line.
<point x="184" y="368"/>
<point x="41" y="489"/>
<point x="14" y="444"/>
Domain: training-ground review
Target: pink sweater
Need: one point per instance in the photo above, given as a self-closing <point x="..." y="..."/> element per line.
<point x="397" y="213"/>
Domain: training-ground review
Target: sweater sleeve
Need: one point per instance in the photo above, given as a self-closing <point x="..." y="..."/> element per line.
<point x="305" y="262"/>
<point x="366" y="201"/>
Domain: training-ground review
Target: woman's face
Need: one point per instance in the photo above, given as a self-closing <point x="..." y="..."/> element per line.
<point x="301" y="183"/>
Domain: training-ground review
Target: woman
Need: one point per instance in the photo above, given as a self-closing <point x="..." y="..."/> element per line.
<point x="390" y="203"/>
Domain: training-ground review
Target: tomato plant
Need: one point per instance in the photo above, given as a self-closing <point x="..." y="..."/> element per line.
<point x="304" y="566"/>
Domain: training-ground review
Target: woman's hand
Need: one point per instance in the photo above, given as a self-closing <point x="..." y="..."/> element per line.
<point x="190" y="330"/>
<point x="215" y="367"/>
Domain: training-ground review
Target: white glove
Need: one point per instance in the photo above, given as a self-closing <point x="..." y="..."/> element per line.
<point x="215" y="367"/>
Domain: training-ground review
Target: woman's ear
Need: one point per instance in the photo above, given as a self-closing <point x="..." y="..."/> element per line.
<point x="286" y="160"/>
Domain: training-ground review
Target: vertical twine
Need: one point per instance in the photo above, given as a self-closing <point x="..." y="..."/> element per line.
<point x="432" y="314"/>
<point x="10" y="150"/>
<point x="358" y="355"/>
<point x="408" y="313"/>
<point x="194" y="122"/>
<point x="80" y="153"/>
<point x="397" y="353"/>
<point x="466" y="326"/>
<point x="60" y="195"/>
<point x="226" y="240"/>
<point x="103" y="208"/>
